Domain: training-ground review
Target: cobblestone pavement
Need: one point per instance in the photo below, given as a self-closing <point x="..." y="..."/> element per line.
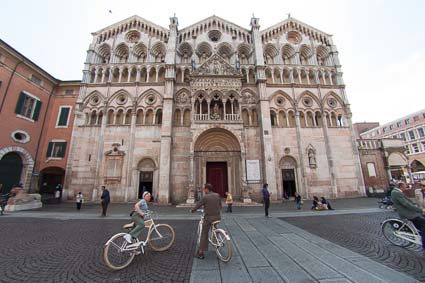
<point x="361" y="233"/>
<point x="50" y="250"/>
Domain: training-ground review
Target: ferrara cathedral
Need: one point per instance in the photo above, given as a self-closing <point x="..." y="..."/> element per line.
<point x="166" y="110"/>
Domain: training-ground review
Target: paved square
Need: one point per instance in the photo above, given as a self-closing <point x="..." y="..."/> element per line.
<point x="50" y="250"/>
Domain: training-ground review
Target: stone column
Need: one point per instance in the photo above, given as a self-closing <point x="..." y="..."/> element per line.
<point x="167" y="115"/>
<point x="303" y="188"/>
<point x="330" y="156"/>
<point x="139" y="70"/>
<point x="130" y="153"/>
<point x="269" y="170"/>
<point x="99" y="154"/>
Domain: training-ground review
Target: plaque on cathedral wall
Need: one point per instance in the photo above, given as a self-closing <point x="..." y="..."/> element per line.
<point x="216" y="83"/>
<point x="253" y="171"/>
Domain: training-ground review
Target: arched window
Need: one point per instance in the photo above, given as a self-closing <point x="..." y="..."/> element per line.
<point x="302" y="120"/>
<point x="245" y="117"/>
<point x="119" y="118"/>
<point x="186" y="118"/>
<point x="273" y="119"/>
<point x="282" y="119"/>
<point x="254" y="118"/>
<point x="149" y="117"/>
<point x="99" y="120"/>
<point x="177" y="117"/>
<point x="128" y="117"/>
<point x="139" y="117"/>
<point x="110" y="119"/>
<point x="158" y="117"/>
<point x="93" y="118"/>
<point x="291" y="119"/>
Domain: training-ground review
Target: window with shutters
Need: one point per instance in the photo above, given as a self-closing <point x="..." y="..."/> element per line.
<point x="63" y="117"/>
<point x="56" y="149"/>
<point x="28" y="106"/>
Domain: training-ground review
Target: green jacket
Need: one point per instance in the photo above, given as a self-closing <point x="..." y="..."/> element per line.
<point x="405" y="207"/>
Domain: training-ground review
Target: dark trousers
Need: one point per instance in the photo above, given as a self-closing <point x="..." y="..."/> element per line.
<point x="78" y="205"/>
<point x="419" y="223"/>
<point x="104" y="207"/>
<point x="266" y="206"/>
<point x="229" y="207"/>
<point x="203" y="245"/>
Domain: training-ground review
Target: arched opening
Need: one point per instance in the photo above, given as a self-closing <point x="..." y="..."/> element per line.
<point x="11" y="166"/>
<point x="149" y="117"/>
<point x="273" y="119"/>
<point x="158" y="117"/>
<point x="139" y="117"/>
<point x="245" y="117"/>
<point x="177" y="117"/>
<point x="127" y="120"/>
<point x="146" y="168"/>
<point x="50" y="177"/>
<point x="119" y="117"/>
<point x="217" y="157"/>
<point x="288" y="166"/>
<point x="186" y="118"/>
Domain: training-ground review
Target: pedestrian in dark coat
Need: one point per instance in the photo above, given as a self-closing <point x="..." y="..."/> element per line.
<point x="106" y="199"/>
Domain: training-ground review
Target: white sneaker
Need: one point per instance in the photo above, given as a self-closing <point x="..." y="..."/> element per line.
<point x="127" y="237"/>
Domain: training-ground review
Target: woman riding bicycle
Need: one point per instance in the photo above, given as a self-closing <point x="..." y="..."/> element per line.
<point x="138" y="217"/>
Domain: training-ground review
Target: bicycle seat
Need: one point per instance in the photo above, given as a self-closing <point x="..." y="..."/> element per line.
<point x="128" y="226"/>
<point x="215" y="223"/>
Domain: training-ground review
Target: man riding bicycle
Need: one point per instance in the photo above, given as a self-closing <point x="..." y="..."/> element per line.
<point x="212" y="205"/>
<point x="408" y="209"/>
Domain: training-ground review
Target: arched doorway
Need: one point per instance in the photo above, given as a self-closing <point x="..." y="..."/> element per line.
<point x="50" y="177"/>
<point x="288" y="167"/>
<point x="217" y="156"/>
<point x="10" y="171"/>
<point x="146" y="168"/>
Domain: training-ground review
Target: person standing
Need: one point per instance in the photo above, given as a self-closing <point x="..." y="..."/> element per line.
<point x="298" y="201"/>
<point x="58" y="193"/>
<point x="408" y="209"/>
<point x="229" y="202"/>
<point x="79" y="200"/>
<point x="212" y="205"/>
<point x="266" y="198"/>
<point x="420" y="195"/>
<point x="106" y="199"/>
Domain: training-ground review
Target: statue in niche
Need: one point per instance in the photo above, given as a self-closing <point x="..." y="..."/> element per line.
<point x="216" y="67"/>
<point x="215" y="115"/>
<point x="203" y="57"/>
<point x="312" y="158"/>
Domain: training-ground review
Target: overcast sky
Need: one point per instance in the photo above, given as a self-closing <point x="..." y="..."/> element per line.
<point x="381" y="43"/>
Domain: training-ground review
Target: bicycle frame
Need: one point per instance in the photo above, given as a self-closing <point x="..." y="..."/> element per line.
<point x="213" y="233"/>
<point x="413" y="238"/>
<point x="125" y="247"/>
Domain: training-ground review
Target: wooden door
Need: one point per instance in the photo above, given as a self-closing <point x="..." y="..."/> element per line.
<point x="217" y="177"/>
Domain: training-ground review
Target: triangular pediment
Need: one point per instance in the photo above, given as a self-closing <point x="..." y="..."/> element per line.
<point x="216" y="66"/>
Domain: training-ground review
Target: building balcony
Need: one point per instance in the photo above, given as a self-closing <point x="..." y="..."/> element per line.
<point x="226" y="118"/>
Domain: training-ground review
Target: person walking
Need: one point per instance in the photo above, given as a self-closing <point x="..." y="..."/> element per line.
<point x="298" y="201"/>
<point x="106" y="199"/>
<point x="266" y="198"/>
<point x="79" y="200"/>
<point x="408" y="209"/>
<point x="212" y="205"/>
<point x="229" y="202"/>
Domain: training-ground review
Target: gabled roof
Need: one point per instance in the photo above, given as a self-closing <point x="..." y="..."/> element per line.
<point x="294" y="24"/>
<point x="211" y="19"/>
<point x="128" y="21"/>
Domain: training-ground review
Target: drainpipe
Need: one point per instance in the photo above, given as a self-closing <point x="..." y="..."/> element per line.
<point x="8" y="83"/>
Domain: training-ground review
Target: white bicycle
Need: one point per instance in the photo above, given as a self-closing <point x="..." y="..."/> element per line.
<point x="118" y="253"/>
<point x="219" y="238"/>
<point x="401" y="232"/>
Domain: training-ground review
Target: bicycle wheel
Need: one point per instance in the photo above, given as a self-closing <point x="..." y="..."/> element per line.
<point x="115" y="254"/>
<point x="162" y="237"/>
<point x="222" y="245"/>
<point x="390" y="226"/>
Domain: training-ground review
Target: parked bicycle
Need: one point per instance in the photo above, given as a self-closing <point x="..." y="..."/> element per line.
<point x="118" y="253"/>
<point x="3" y="202"/>
<point x="219" y="238"/>
<point x="401" y="232"/>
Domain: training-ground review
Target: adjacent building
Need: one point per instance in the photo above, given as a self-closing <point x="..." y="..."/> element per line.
<point x="410" y="129"/>
<point x="36" y="114"/>
<point x="165" y="109"/>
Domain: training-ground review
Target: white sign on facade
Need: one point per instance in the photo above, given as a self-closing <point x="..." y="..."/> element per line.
<point x="253" y="170"/>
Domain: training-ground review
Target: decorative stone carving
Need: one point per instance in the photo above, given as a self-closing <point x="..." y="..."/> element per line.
<point x="311" y="153"/>
<point x="216" y="66"/>
<point x="182" y="98"/>
<point x="20" y="200"/>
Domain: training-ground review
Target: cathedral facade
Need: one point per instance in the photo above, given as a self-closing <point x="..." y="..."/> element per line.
<point x="167" y="110"/>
